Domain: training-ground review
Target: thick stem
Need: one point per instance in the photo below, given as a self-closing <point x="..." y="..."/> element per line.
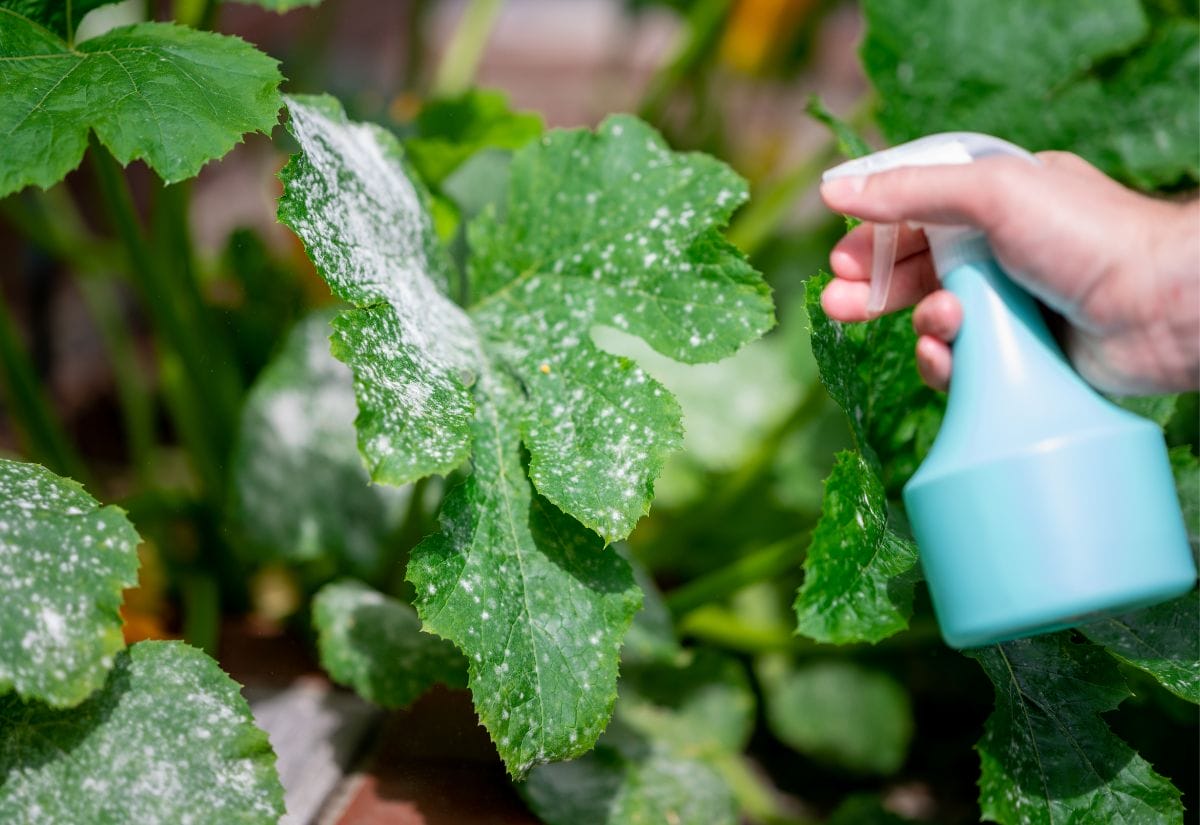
<point x="43" y="433"/>
<point x="456" y="72"/>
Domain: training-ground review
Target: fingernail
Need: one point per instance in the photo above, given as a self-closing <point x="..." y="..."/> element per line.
<point x="840" y="189"/>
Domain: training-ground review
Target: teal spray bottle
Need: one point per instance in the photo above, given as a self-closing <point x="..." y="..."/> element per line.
<point x="1041" y="505"/>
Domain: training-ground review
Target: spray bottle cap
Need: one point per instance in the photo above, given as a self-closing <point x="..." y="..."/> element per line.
<point x="949" y="245"/>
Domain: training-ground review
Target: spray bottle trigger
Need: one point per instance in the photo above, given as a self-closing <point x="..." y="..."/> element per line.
<point x="883" y="261"/>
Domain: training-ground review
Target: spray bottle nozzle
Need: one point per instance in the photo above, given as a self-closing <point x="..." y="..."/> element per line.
<point x="935" y="150"/>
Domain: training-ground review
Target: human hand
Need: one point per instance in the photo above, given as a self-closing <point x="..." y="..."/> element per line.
<point x="1121" y="268"/>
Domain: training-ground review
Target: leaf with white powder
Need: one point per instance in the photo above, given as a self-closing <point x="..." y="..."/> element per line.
<point x="168" y="739"/>
<point x="64" y="561"/>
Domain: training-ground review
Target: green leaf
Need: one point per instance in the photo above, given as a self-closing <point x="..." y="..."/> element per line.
<point x="367" y="228"/>
<point x="870" y="370"/>
<point x="546" y="606"/>
<point x="301" y="492"/>
<point x="842" y="714"/>
<point x="1160" y="640"/>
<point x="1047" y="755"/>
<point x="1088" y="77"/>
<point x="859" y="574"/>
<point x="1158" y="408"/>
<point x="171" y="96"/>
<point x="64" y="561"/>
<point x="651" y="637"/>
<point x="58" y="16"/>
<point x="630" y="783"/>
<point x="1186" y="468"/>
<point x="167" y="739"/>
<point x="609" y="228"/>
<point x="850" y="143"/>
<point x="374" y="644"/>
<point x="534" y="600"/>
<point x="450" y="130"/>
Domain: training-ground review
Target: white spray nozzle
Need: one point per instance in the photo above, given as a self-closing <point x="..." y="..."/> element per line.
<point x="948" y="148"/>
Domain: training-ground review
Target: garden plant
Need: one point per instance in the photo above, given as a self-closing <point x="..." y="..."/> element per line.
<point x="449" y="457"/>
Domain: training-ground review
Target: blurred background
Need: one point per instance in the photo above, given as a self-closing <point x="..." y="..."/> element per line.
<point x="868" y="733"/>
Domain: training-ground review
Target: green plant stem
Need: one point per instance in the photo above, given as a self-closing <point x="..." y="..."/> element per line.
<point x="133" y="390"/>
<point x="175" y="315"/>
<point x="62" y="238"/>
<point x="756" y="797"/>
<point x="201" y="611"/>
<point x="456" y="72"/>
<point x="45" y="438"/>
<point x="702" y="31"/>
<point x="762" y="564"/>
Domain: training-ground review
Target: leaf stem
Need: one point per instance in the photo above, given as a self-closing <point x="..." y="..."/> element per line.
<point x="756" y="797"/>
<point x="456" y="71"/>
<point x="43" y="433"/>
<point x="762" y="564"/>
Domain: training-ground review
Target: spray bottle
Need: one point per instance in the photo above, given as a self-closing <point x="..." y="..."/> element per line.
<point x="1041" y="505"/>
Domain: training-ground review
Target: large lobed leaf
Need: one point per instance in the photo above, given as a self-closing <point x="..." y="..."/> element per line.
<point x="168" y="739"/>
<point x="374" y="644"/>
<point x="1161" y="640"/>
<point x="64" y="562"/>
<point x="1089" y="77"/>
<point x="171" y="96"/>
<point x="598" y="228"/>
<point x="1047" y="756"/>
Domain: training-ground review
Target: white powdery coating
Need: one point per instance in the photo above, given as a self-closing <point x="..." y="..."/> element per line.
<point x="301" y="490"/>
<point x="63" y="564"/>
<point x="364" y="225"/>
<point x="168" y="740"/>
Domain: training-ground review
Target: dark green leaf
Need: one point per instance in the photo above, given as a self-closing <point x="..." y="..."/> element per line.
<point x="859" y="574"/>
<point x="1158" y="408"/>
<point x="1047" y="756"/>
<point x="1160" y="640"/>
<point x="1186" y="468"/>
<point x="171" y="96"/>
<point x="634" y="783"/>
<point x="651" y="637"/>
<point x="864" y="809"/>
<point x="841" y="713"/>
<point x="59" y="16"/>
<point x="1045" y="76"/>
<point x="64" y="561"/>
<point x="374" y="644"/>
<point x="450" y="130"/>
<point x="870" y="371"/>
<point x="301" y="492"/>
<point x="168" y="739"/>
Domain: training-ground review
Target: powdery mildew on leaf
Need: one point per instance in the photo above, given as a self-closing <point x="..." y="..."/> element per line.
<point x="172" y="96"/>
<point x="859" y="575"/>
<point x="413" y="351"/>
<point x="168" y="739"/>
<point x="531" y="597"/>
<point x="524" y="590"/>
<point x="300" y="489"/>
<point x="64" y="561"/>
<point x="609" y="228"/>
<point x="1161" y="640"/>
<point x="1047" y="756"/>
<point x="374" y="644"/>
